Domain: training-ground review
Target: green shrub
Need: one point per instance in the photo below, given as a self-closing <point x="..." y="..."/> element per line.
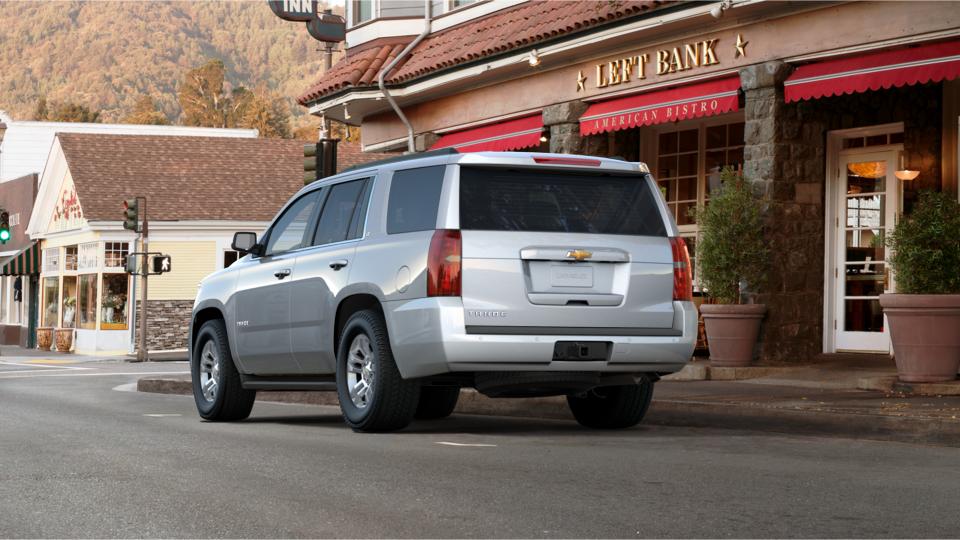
<point x="731" y="247"/>
<point x="926" y="247"/>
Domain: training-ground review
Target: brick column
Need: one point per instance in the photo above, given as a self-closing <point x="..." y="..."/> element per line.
<point x="563" y="121"/>
<point x="784" y="160"/>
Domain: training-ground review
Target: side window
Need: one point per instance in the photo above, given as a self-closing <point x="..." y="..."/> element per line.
<point x="338" y="212"/>
<point x="414" y="197"/>
<point x="289" y="231"/>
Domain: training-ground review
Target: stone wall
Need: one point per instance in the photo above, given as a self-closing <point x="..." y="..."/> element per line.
<point x="786" y="161"/>
<point x="168" y="322"/>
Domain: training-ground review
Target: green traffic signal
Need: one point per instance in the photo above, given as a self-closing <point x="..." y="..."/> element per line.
<point x="4" y="227"/>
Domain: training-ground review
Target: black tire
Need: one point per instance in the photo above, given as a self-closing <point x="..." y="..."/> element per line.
<point x="391" y="401"/>
<point x="612" y="407"/>
<point x="230" y="401"/>
<point x="437" y="402"/>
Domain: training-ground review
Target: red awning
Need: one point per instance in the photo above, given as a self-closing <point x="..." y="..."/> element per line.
<point x="508" y="135"/>
<point x="691" y="101"/>
<point x="873" y="71"/>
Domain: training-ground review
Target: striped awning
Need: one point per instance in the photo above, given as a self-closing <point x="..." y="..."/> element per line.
<point x="500" y="137"/>
<point x="660" y="106"/>
<point x="872" y="71"/>
<point x="26" y="262"/>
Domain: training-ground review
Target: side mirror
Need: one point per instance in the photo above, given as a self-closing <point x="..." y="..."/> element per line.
<point x="245" y="242"/>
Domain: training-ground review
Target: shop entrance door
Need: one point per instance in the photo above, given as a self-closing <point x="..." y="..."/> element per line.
<point x="866" y="199"/>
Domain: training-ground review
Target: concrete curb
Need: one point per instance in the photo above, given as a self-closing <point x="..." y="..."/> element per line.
<point x="892" y="384"/>
<point x="669" y="412"/>
<point x="703" y="371"/>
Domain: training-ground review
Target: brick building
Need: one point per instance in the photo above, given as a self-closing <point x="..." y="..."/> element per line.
<point x="823" y="105"/>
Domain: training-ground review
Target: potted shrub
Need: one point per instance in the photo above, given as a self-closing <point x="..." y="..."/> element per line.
<point x="44" y="338"/>
<point x="731" y="252"/>
<point x="64" y="339"/>
<point x="924" y="314"/>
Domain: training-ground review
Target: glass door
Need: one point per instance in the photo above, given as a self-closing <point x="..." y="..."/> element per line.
<point x="867" y="201"/>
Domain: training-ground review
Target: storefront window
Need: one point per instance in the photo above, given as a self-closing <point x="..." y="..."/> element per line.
<point x="51" y="260"/>
<point x="69" y="301"/>
<point x="89" y="256"/>
<point x="70" y="258"/>
<point x="114" y="302"/>
<point x="51" y="301"/>
<point x="87" y="301"/>
<point x="115" y="254"/>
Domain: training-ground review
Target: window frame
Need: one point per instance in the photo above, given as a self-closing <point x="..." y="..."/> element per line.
<point x="352" y="232"/>
<point x="320" y="194"/>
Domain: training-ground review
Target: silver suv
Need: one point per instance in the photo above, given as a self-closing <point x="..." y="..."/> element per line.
<point x="401" y="282"/>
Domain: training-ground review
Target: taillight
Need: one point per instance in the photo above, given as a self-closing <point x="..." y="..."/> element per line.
<point x="682" y="278"/>
<point x="443" y="263"/>
<point x="567" y="161"/>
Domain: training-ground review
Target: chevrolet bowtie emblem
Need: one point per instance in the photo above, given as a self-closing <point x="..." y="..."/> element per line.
<point x="579" y="254"/>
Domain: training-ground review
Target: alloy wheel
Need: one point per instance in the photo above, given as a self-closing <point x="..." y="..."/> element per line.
<point x="209" y="371"/>
<point x="361" y="371"/>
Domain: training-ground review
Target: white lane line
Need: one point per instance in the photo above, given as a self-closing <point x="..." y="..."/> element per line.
<point x="41" y="366"/>
<point x="48" y="374"/>
<point x="445" y="443"/>
<point x="129" y="387"/>
<point x="162" y="415"/>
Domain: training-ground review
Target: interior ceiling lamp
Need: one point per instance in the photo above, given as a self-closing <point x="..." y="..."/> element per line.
<point x="868" y="169"/>
<point x="903" y="173"/>
<point x="718" y="10"/>
<point x="533" y="58"/>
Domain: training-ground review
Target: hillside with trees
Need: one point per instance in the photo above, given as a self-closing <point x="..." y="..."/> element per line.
<point x="133" y="62"/>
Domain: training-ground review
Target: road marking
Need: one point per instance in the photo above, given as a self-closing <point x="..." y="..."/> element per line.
<point x="445" y="443"/>
<point x="33" y="365"/>
<point x="162" y="415"/>
<point x="49" y="361"/>
<point x="48" y="374"/>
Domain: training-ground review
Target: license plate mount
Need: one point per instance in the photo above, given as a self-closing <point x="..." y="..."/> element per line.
<point x="582" y="351"/>
<point x="571" y="275"/>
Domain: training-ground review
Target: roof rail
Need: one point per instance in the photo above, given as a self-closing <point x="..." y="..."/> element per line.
<point x="404" y="157"/>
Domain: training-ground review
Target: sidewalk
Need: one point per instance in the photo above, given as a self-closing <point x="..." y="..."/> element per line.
<point x="12" y="353"/>
<point x="816" y="399"/>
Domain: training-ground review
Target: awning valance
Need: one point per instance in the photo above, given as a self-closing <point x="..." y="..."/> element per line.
<point x="26" y="262"/>
<point x="691" y="101"/>
<point x="500" y="137"/>
<point x="873" y="71"/>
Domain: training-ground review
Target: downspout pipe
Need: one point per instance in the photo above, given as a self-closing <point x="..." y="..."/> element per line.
<point x="411" y="148"/>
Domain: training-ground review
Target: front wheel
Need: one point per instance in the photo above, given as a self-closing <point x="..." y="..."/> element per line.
<point x="217" y="389"/>
<point x="372" y="394"/>
<point x="612" y="407"/>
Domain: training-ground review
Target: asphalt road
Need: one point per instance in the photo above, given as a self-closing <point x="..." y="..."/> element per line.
<point x="80" y="457"/>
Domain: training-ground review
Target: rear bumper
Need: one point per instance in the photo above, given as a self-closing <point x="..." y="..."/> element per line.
<point x="428" y="337"/>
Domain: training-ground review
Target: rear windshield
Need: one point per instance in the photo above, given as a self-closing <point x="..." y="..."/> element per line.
<point x="494" y="199"/>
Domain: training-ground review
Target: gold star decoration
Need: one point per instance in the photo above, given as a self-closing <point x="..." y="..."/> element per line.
<point x="741" y="46"/>
<point x="580" y="81"/>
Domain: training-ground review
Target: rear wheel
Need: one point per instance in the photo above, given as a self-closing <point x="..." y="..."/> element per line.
<point x="437" y="402"/>
<point x="612" y="407"/>
<point x="372" y="394"/>
<point x="217" y="389"/>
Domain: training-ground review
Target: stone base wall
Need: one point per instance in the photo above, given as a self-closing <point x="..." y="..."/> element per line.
<point x="168" y="322"/>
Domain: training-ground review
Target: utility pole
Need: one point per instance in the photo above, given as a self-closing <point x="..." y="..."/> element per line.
<point x="142" y="355"/>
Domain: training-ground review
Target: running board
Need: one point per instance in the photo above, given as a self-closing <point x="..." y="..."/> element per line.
<point x="289" y="384"/>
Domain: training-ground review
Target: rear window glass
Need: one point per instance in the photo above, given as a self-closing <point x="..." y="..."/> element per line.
<point x="414" y="197"/>
<point x="552" y="201"/>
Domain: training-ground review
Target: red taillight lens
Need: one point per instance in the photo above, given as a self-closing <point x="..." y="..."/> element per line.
<point x="443" y="263"/>
<point x="682" y="278"/>
<point x="567" y="161"/>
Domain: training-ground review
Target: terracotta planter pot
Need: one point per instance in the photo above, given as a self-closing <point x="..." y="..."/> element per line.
<point x="64" y="339"/>
<point x="44" y="338"/>
<point x="925" y="331"/>
<point x="732" y="331"/>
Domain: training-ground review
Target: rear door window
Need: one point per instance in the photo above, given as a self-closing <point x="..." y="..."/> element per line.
<point x="414" y="198"/>
<point x="338" y="213"/>
<point x="497" y="199"/>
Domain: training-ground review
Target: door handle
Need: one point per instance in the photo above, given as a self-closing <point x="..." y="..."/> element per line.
<point x="338" y="264"/>
<point x="280" y="274"/>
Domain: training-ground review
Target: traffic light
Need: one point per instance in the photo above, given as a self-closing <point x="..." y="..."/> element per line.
<point x="131" y="214"/>
<point x="4" y="227"/>
<point x="319" y="160"/>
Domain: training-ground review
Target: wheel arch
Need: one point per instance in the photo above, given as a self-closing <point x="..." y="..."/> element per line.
<point x="203" y="313"/>
<point x="347" y="307"/>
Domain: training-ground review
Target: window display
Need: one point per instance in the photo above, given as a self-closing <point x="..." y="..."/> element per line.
<point x="87" y="301"/>
<point x="114" y="302"/>
<point x="51" y="301"/>
<point x="69" y="301"/>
